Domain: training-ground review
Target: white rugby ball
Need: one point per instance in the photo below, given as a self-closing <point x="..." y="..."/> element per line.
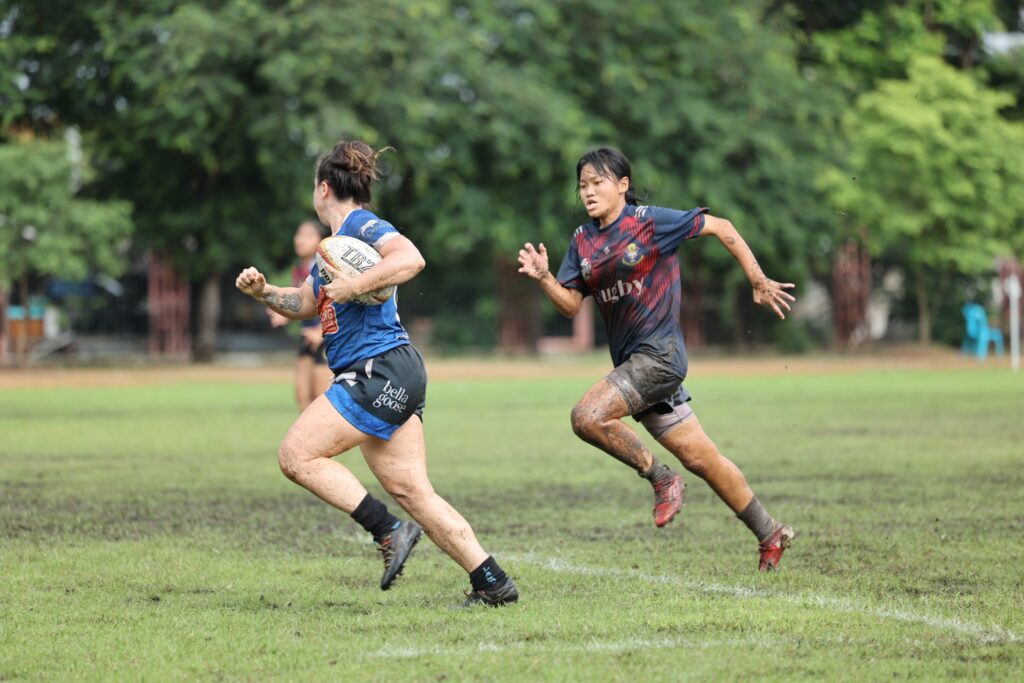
<point x="351" y="257"/>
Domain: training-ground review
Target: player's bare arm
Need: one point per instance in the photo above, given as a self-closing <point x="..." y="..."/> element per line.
<point x="534" y="265"/>
<point x="400" y="262"/>
<point x="296" y="303"/>
<point x="767" y="292"/>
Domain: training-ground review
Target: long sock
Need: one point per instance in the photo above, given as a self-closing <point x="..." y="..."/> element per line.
<point x="657" y="472"/>
<point x="487" y="575"/>
<point x="757" y="519"/>
<point x="373" y="516"/>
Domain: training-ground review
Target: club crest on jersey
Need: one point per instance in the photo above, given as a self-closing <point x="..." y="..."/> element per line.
<point x="633" y="255"/>
<point x="585" y="268"/>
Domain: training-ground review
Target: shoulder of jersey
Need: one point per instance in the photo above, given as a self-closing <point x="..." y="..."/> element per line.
<point x="579" y="230"/>
<point x="366" y="227"/>
<point x="357" y="222"/>
<point x="641" y="210"/>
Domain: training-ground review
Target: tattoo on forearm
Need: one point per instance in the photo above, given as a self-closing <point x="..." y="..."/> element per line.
<point x="282" y="303"/>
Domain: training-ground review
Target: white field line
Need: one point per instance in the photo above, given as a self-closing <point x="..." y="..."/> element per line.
<point x="985" y="634"/>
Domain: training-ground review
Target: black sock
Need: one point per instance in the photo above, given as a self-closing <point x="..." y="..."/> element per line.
<point x="488" y="575"/>
<point x="757" y="519"/>
<point x="657" y="472"/>
<point x="373" y="516"/>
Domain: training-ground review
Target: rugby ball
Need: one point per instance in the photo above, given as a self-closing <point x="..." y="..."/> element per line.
<point x="351" y="257"/>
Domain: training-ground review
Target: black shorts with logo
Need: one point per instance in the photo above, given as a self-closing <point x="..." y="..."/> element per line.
<point x="378" y="395"/>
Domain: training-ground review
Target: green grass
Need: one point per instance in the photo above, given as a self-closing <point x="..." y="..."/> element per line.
<point x="148" y="535"/>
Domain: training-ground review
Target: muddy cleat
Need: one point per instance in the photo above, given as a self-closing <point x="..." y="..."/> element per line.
<point x="395" y="548"/>
<point x="668" y="499"/>
<point x="773" y="547"/>
<point x="505" y="594"/>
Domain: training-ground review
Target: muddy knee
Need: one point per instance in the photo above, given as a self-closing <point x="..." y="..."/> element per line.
<point x="585" y="423"/>
<point x="289" y="459"/>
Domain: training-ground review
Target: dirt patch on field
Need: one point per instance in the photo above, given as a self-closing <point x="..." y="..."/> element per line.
<point x="288" y="521"/>
<point x="468" y="369"/>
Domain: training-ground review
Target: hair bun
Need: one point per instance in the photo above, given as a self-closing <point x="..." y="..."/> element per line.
<point x="359" y="158"/>
<point x="350" y="169"/>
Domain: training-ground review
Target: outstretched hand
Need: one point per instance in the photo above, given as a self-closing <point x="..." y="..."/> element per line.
<point x="252" y="282"/>
<point x="774" y="295"/>
<point x="534" y="263"/>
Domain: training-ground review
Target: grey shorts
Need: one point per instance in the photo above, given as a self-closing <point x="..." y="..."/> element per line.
<point x="653" y="392"/>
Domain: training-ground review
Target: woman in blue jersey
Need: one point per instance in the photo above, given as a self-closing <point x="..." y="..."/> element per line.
<point x="626" y="259"/>
<point x="312" y="376"/>
<point x="377" y="398"/>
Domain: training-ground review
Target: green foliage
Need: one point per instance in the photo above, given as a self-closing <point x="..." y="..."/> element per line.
<point x="217" y="110"/>
<point x="885" y="40"/>
<point x="932" y="176"/>
<point x="208" y="116"/>
<point x="45" y="228"/>
<point x="933" y="169"/>
<point x="878" y="46"/>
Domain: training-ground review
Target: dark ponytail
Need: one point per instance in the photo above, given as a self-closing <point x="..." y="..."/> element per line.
<point x="350" y="170"/>
<point x="610" y="163"/>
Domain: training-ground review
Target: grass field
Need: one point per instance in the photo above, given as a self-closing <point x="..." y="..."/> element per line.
<point x="148" y="535"/>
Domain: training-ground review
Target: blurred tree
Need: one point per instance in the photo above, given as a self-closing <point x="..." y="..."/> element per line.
<point x="855" y="45"/>
<point x="45" y="228"/>
<point x="208" y="116"/>
<point x="935" y="171"/>
<point x="166" y="95"/>
<point x="708" y="104"/>
<point x="490" y="105"/>
<point x="184" y="138"/>
<point x="484" y="143"/>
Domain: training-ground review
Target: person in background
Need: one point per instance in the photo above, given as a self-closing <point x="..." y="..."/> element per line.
<point x="312" y="375"/>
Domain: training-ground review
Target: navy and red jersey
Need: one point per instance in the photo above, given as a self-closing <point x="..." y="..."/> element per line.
<point x="631" y="270"/>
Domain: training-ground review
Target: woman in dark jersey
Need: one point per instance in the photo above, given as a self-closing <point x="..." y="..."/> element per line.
<point x="626" y="259"/>
<point x="312" y="375"/>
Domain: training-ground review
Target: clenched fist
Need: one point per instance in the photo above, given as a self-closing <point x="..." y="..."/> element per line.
<point x="251" y="281"/>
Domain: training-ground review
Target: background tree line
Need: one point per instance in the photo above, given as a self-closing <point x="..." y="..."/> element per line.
<point x="834" y="135"/>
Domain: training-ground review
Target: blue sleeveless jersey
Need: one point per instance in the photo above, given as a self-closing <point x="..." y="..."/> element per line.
<point x="355" y="331"/>
<point x="631" y="270"/>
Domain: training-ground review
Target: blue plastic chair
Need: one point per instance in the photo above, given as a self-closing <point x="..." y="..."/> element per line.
<point x="978" y="334"/>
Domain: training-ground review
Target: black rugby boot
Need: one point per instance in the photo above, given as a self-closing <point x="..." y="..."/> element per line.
<point x="395" y="547"/>
<point x="505" y="594"/>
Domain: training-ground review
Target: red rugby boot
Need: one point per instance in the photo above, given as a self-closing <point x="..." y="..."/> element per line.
<point x="773" y="547"/>
<point x="668" y="498"/>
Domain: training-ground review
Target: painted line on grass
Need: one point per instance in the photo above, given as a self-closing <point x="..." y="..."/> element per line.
<point x="985" y="634"/>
